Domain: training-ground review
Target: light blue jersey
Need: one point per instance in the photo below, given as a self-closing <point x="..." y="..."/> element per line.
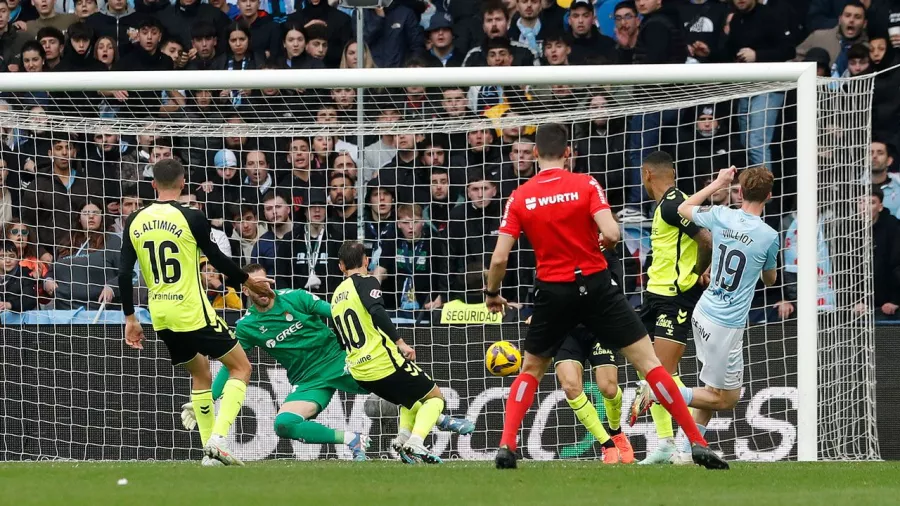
<point x="743" y="247"/>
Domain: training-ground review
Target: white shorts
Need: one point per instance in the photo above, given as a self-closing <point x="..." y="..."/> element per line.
<point x="721" y="351"/>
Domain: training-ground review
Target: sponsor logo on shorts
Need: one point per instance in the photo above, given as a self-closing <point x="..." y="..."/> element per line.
<point x="699" y="330"/>
<point x="600" y="350"/>
<point x="682" y="316"/>
<point x="664" y="322"/>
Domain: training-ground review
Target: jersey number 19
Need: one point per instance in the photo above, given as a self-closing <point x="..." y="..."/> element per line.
<point x="159" y="263"/>
<point x="733" y="269"/>
<point x="350" y="331"/>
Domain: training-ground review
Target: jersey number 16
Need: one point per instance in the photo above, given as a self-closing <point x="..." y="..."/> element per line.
<point x="350" y="331"/>
<point x="160" y="263"/>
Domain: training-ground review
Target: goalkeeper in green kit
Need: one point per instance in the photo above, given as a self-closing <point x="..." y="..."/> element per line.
<point x="291" y="328"/>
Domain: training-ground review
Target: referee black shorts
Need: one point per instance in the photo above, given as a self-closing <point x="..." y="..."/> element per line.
<point x="214" y="341"/>
<point x="581" y="346"/>
<point x="602" y="309"/>
<point x="405" y="387"/>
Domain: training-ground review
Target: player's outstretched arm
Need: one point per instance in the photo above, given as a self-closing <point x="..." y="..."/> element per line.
<point x="726" y="176"/>
<point x="234" y="275"/>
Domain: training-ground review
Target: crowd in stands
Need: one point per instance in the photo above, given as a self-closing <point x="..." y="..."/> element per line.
<point x="432" y="201"/>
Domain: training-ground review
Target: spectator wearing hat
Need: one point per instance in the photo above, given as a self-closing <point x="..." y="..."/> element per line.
<point x="757" y="33"/>
<point x="439" y="42"/>
<point x="308" y="258"/>
<point x="48" y="17"/>
<point x="413" y="269"/>
<point x="338" y="27"/>
<point x="627" y="24"/>
<point x="587" y="43"/>
<point x="204" y="42"/>
<point x="705" y="22"/>
<point x="850" y="30"/>
<point x="495" y="25"/>
<point x="705" y="147"/>
<point x="222" y="187"/>
<point x="392" y="33"/>
<point x="888" y="183"/>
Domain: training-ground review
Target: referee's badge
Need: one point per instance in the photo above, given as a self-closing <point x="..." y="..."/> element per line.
<point x="289" y="317"/>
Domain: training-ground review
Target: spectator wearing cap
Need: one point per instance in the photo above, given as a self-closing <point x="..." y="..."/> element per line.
<point x="11" y="38"/>
<point x="338" y="28"/>
<point x="527" y="25"/>
<point x="53" y="41"/>
<point x="587" y="43"/>
<point x="413" y="269"/>
<point x="116" y="19"/>
<point x="627" y="24"/>
<point x="204" y="42"/>
<point x="822" y="60"/>
<point x="439" y="41"/>
<point x="404" y="176"/>
<point x="222" y="187"/>
<point x="308" y="258"/>
<point x="600" y="149"/>
<point x="705" y="22"/>
<point x="392" y="33"/>
<point x="882" y="153"/>
<point x="48" y="17"/>
<point x="757" y="33"/>
<point x="495" y="25"/>
<point x="704" y="148"/>
<point x="850" y="30"/>
<point x="265" y="32"/>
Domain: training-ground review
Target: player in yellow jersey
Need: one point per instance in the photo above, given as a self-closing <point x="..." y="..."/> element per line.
<point x="681" y="253"/>
<point x="167" y="239"/>
<point x="379" y="360"/>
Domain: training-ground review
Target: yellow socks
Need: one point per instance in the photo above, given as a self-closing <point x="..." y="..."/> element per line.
<point x="204" y="412"/>
<point x="232" y="400"/>
<point x="426" y="416"/>
<point x="587" y="414"/>
<point x="614" y="410"/>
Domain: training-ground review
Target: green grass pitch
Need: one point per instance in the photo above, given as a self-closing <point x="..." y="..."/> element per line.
<point x="277" y="483"/>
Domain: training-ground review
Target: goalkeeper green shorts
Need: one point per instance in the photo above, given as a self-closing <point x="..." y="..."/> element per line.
<point x="323" y="395"/>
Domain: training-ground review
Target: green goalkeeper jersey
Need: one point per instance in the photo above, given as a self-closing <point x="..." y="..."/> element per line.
<point x="294" y="333"/>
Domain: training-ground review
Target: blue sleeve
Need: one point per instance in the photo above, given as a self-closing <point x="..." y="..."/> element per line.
<point x="706" y="216"/>
<point x="772" y="254"/>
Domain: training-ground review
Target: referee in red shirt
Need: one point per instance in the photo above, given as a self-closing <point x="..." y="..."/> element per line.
<point x="563" y="215"/>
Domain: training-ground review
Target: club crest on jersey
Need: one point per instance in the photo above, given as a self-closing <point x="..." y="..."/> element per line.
<point x="289" y="317"/>
<point x="375" y="293"/>
<point x="263" y="329"/>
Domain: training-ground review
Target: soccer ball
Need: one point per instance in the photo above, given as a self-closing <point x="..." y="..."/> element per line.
<point x="502" y="359"/>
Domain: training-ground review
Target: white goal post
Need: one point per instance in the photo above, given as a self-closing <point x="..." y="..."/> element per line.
<point x="676" y="85"/>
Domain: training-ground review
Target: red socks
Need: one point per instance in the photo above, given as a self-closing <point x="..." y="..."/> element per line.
<point x="521" y="396"/>
<point x="669" y="396"/>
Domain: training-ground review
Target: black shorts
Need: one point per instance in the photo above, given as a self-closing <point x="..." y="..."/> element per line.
<point x="406" y="386"/>
<point x="213" y="341"/>
<point x="581" y="346"/>
<point x="669" y="317"/>
<point x="601" y="308"/>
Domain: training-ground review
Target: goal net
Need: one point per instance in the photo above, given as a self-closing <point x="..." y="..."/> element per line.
<point x="286" y="166"/>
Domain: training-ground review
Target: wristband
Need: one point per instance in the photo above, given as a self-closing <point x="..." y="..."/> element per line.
<point x="491" y="294"/>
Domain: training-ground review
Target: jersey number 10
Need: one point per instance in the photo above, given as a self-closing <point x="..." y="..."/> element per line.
<point x="350" y="331"/>
<point x="159" y="263"/>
